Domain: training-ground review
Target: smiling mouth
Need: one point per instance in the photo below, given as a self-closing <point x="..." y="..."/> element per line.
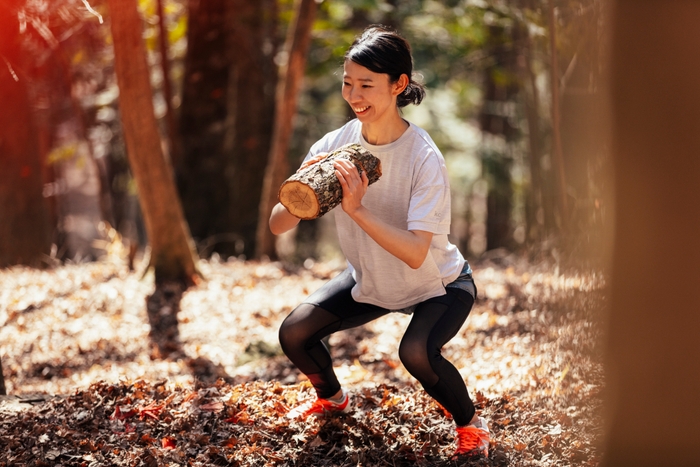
<point x="359" y="110"/>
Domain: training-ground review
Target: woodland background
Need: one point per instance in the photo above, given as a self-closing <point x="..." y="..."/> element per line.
<point x="141" y="146"/>
<point x="220" y="73"/>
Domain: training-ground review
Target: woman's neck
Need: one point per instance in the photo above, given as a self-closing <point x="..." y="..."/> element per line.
<point x="380" y="134"/>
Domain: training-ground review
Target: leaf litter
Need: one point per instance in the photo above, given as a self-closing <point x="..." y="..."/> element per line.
<point x="88" y="387"/>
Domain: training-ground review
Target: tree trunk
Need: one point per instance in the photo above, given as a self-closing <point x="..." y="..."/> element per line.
<point x="170" y="121"/>
<point x="3" y="390"/>
<point x="226" y="120"/>
<point x="200" y="170"/>
<point x="496" y="117"/>
<point x="171" y="247"/>
<point x="652" y="356"/>
<point x="314" y="191"/>
<point x="24" y="223"/>
<point x="557" y="155"/>
<point x="291" y="75"/>
<point x="251" y="110"/>
<point x="539" y="210"/>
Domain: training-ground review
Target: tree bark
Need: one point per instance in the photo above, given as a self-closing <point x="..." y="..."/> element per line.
<point x="539" y="211"/>
<point x="171" y="247"/>
<point x="200" y="171"/>
<point x="290" y="79"/>
<point x="24" y="223"/>
<point x="170" y="121"/>
<point x="556" y="130"/>
<point x="250" y="113"/>
<point x="3" y="390"/>
<point x="315" y="190"/>
<point x="652" y="355"/>
<point x="496" y="118"/>
<point x="226" y="120"/>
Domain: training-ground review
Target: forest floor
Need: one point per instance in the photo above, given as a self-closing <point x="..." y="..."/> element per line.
<point x="88" y="387"/>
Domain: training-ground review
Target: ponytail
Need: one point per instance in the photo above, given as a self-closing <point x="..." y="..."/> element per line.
<point x="413" y="94"/>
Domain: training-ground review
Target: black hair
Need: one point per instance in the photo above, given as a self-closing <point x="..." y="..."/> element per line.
<point x="382" y="50"/>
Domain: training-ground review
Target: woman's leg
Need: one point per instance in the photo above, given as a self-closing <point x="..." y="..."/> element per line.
<point x="328" y="310"/>
<point x="434" y="323"/>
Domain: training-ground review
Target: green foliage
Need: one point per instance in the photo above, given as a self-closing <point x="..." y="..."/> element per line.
<point x="449" y="40"/>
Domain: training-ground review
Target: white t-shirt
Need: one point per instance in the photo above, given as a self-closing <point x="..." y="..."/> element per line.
<point x="413" y="193"/>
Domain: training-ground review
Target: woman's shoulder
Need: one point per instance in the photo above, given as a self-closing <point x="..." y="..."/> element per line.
<point x="423" y="145"/>
<point x="423" y="137"/>
<point x="346" y="134"/>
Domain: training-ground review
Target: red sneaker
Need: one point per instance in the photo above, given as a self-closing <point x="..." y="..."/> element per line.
<point x="320" y="407"/>
<point x="473" y="439"/>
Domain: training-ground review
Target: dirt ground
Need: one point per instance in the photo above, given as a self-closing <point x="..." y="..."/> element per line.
<point x="88" y="387"/>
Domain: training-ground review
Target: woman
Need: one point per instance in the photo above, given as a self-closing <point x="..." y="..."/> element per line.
<point x="394" y="237"/>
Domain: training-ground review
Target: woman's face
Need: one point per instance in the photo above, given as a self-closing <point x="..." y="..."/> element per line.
<point x="371" y="95"/>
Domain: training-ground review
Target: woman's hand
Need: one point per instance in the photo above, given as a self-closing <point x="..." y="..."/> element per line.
<point x="317" y="158"/>
<point x="353" y="183"/>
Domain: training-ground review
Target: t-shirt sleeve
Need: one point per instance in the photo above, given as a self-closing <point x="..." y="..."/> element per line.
<point x="429" y="207"/>
<point x="333" y="140"/>
<point x="318" y="147"/>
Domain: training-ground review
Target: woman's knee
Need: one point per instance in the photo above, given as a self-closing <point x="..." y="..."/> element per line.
<point x="300" y="326"/>
<point x="415" y="358"/>
<point x="291" y="331"/>
<point x="285" y="334"/>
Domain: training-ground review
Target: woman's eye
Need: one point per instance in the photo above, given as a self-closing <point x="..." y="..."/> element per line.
<point x="346" y="84"/>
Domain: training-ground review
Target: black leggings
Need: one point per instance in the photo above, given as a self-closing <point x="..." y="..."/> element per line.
<point x="434" y="323"/>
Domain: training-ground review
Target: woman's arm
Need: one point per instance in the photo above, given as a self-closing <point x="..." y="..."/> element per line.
<point x="410" y="246"/>
<point x="281" y="220"/>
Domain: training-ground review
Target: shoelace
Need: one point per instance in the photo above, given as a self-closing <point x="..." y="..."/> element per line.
<point x="469" y="438"/>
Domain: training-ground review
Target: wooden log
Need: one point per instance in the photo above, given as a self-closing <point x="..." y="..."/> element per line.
<point x="315" y="190"/>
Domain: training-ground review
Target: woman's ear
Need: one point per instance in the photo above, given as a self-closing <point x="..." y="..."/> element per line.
<point x="401" y="84"/>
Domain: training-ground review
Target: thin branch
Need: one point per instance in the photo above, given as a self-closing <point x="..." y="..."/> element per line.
<point x="92" y="10"/>
<point x="12" y="71"/>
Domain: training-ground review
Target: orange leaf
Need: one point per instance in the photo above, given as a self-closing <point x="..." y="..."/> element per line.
<point x="393" y="364"/>
<point x="148" y="438"/>
<point x="119" y="415"/>
<point x="168" y="442"/>
<point x="229" y="443"/>
<point x="151" y="410"/>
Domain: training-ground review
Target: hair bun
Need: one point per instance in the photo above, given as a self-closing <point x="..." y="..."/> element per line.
<point x="412" y="94"/>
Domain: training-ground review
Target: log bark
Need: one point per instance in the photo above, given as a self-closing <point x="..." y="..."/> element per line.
<point x="315" y="190"/>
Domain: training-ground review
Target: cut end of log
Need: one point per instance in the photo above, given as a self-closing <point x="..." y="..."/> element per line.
<point x="299" y="199"/>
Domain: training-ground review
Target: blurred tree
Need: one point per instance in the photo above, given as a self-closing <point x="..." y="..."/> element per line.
<point x="583" y="108"/>
<point x="3" y="391"/>
<point x="556" y="147"/>
<point x="253" y="75"/>
<point x="497" y="117"/>
<point x="226" y="120"/>
<point x="171" y="247"/>
<point x="199" y="172"/>
<point x="174" y="145"/>
<point x="652" y="355"/>
<point x="24" y="222"/>
<point x="291" y="75"/>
